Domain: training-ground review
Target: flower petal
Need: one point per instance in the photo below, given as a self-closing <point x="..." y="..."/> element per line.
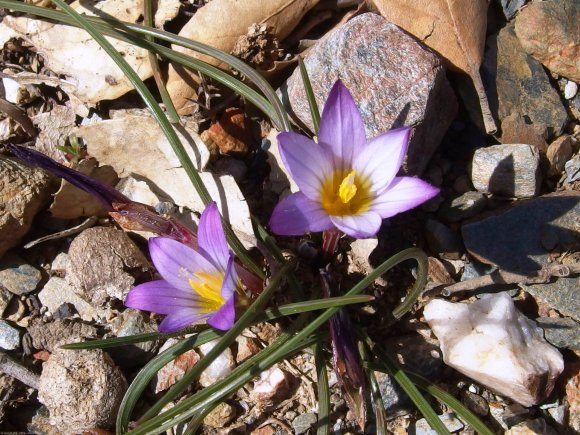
<point x="308" y="163"/>
<point x="341" y="127"/>
<point x="177" y="262"/>
<point x="160" y="297"/>
<point x="403" y="194"/>
<point x="180" y="319"/>
<point x="358" y="226"/>
<point x="211" y="237"/>
<point x="296" y="215"/>
<point x="230" y="282"/>
<point x="225" y="317"/>
<point x="380" y="159"/>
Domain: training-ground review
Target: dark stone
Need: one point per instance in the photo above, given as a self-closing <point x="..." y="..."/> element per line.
<point x="563" y="295"/>
<point x="394" y="79"/>
<point x="463" y="207"/>
<point x="561" y="332"/>
<point x="513" y="240"/>
<point x="517" y="84"/>
<point x="443" y="241"/>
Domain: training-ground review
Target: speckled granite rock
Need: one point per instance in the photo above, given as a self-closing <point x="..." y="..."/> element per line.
<point x="511" y="170"/>
<point x="394" y="80"/>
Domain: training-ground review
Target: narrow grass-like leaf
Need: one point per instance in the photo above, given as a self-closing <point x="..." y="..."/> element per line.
<point x="166" y="127"/>
<point x="393" y="368"/>
<point x="323" y="427"/>
<point x="269" y="314"/>
<point x="314" y="111"/>
<point x="148" y="19"/>
<point x="466" y="415"/>
<point x="379" y="406"/>
<point x="107" y="25"/>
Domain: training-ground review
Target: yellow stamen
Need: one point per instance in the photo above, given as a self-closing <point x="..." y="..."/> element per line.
<point x="346" y="193"/>
<point x="208" y="286"/>
<point x="347" y="189"/>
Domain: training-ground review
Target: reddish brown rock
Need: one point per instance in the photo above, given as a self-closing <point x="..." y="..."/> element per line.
<point x="394" y="80"/>
<point x="559" y="48"/>
<point x="231" y="135"/>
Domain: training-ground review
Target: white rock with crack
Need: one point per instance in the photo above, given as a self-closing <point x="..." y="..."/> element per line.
<point x="493" y="343"/>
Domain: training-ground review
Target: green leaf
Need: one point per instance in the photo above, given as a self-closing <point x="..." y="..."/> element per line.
<point x="269" y="314"/>
<point x="314" y="111"/>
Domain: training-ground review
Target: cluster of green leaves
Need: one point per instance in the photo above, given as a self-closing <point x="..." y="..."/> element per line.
<point x="305" y="329"/>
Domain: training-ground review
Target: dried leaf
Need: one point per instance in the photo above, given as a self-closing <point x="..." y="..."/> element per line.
<point x="453" y="28"/>
<point x="220" y="23"/>
<point x="73" y="52"/>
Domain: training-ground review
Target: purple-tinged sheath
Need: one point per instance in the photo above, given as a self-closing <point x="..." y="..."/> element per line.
<point x="346" y="181"/>
<point x="197" y="284"/>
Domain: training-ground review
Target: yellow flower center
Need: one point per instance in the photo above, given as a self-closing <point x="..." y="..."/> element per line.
<point x="345" y="193"/>
<point x="208" y="287"/>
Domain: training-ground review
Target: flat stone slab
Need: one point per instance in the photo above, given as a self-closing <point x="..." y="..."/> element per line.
<point x="515" y="240"/>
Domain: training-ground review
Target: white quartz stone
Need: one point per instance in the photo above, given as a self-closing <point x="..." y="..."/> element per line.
<point x="496" y="345"/>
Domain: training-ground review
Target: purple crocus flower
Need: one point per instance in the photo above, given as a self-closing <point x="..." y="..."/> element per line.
<point x="197" y="284"/>
<point x="346" y="181"/>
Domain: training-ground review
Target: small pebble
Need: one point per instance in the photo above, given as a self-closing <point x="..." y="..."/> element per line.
<point x="572" y="168"/>
<point x="451" y="422"/>
<point x="220" y="416"/>
<point x="9" y="336"/>
<point x="219" y="368"/>
<point x="303" y="422"/>
<point x="463" y="207"/>
<point x="17" y="276"/>
<point x="570" y="90"/>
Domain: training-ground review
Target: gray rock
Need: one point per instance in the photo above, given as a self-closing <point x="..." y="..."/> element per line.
<point x="51" y="335"/>
<point x="57" y="292"/>
<point x="104" y="263"/>
<point x="563" y="295"/>
<point x="9" y="336"/>
<point x="17" y="276"/>
<point x="133" y="322"/>
<point x="394" y="80"/>
<point x="475" y="269"/>
<point x="512" y="239"/>
<point x="508" y="415"/>
<point x="572" y="168"/>
<point x="561" y="332"/>
<point x="557" y="48"/>
<point x="394" y="397"/>
<point x="23" y="192"/>
<point x="451" y="422"/>
<point x="508" y="170"/>
<point x="521" y="85"/>
<point x="5" y="298"/>
<point x="443" y="240"/>
<point x="475" y="402"/>
<point x="303" y="422"/>
<point x="462" y="207"/>
<point x="510" y="7"/>
<point x="82" y="389"/>
<point x="559" y="414"/>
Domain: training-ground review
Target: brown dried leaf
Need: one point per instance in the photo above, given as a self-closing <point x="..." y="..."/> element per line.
<point x="70" y="202"/>
<point x="453" y="28"/>
<point x="220" y="23"/>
